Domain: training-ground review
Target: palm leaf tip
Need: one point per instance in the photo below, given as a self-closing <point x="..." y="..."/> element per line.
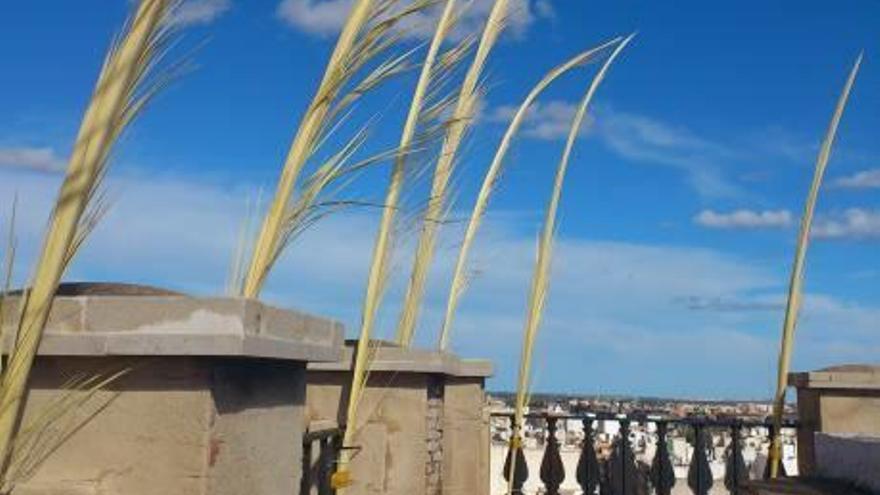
<point x="795" y="288"/>
<point x="492" y="176"/>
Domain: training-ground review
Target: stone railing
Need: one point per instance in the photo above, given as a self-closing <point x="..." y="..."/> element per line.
<point x="611" y="467"/>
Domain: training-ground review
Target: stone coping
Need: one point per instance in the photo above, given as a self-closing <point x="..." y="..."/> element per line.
<point x="390" y="357"/>
<point x="178" y="325"/>
<point x="852" y="376"/>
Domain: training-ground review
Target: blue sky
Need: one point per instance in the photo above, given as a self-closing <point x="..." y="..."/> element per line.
<point x="678" y="217"/>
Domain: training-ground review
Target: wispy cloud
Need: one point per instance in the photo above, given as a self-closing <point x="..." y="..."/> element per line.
<point x="744" y="219"/>
<point x="853" y="223"/>
<point x="326" y="17"/>
<point x="700" y="303"/>
<point x="194" y="12"/>
<point x="637" y="138"/>
<point x="866" y="179"/>
<point x="547" y="121"/>
<point x="648" y="140"/>
<point x="40" y="159"/>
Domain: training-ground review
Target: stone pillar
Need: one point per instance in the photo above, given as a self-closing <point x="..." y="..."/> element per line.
<point x="837" y="400"/>
<point x="404" y="420"/>
<point x="211" y="401"/>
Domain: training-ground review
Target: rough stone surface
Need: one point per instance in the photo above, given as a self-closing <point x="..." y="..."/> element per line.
<point x="434" y="436"/>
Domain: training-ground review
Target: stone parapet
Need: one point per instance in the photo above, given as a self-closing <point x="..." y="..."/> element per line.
<point x="210" y="400"/>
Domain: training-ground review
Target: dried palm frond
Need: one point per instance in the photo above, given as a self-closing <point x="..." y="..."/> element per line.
<point x="795" y="289"/>
<point x="41" y="435"/>
<point x="8" y="266"/>
<point x="376" y="281"/>
<point x="541" y="276"/>
<point x="459" y="279"/>
<point x="118" y="97"/>
<point x="462" y="117"/>
<point x="368" y="32"/>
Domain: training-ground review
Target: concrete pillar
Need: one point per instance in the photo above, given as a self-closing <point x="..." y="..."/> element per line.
<point x="405" y="421"/>
<point x="211" y="401"/>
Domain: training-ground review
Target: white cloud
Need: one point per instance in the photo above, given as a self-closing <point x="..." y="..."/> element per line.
<point x="548" y="121"/>
<point x="612" y="305"/>
<point x="193" y="12"/>
<point x="326" y="17"/>
<point x="323" y="18"/>
<point x="30" y="158"/>
<point x="853" y="223"/>
<point x="866" y="179"/>
<point x="744" y="219"/>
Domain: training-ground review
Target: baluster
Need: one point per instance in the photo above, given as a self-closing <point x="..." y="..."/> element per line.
<point x="662" y="472"/>
<point x="305" y="484"/>
<point x="772" y="433"/>
<point x="588" y="474"/>
<point x="622" y="464"/>
<point x="520" y="469"/>
<point x="325" y="466"/>
<point x="699" y="472"/>
<point x="735" y="472"/>
<point x="552" y="470"/>
<point x="605" y="486"/>
<point x="334" y="456"/>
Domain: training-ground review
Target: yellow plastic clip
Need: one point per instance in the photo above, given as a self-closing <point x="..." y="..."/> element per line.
<point x="516" y="442"/>
<point x="340" y="479"/>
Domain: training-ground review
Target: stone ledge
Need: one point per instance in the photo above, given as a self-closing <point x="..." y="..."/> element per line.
<point x="863" y="377"/>
<point x="801" y="486"/>
<point x="390" y="357"/>
<point x="176" y="325"/>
